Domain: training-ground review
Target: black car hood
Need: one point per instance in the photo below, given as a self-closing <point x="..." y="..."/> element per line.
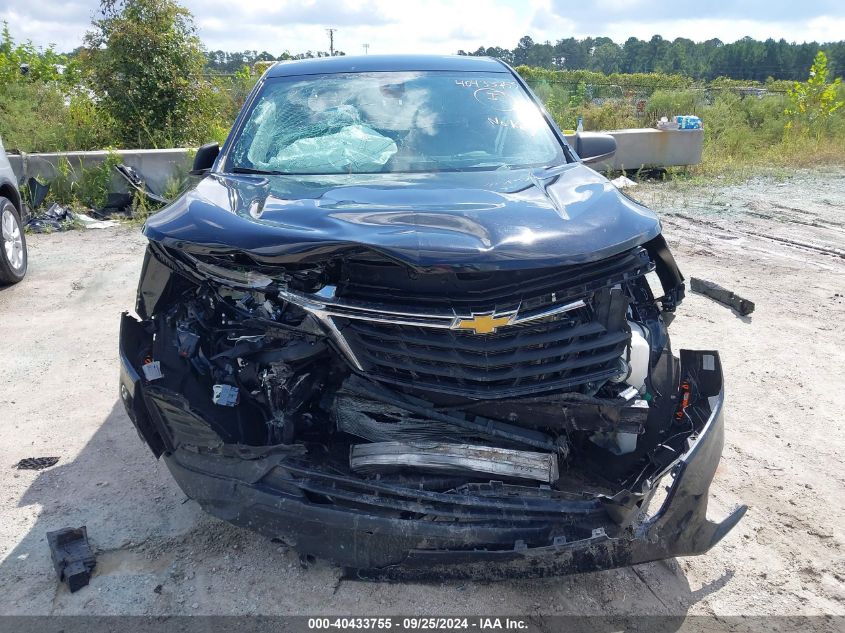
<point x="479" y="220"/>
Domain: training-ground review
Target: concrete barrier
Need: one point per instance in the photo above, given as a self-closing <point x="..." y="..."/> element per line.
<point x="646" y="147"/>
<point x="157" y="166"/>
<point x="636" y="148"/>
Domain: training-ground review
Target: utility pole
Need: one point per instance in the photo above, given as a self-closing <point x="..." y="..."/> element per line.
<point x="331" y="33"/>
<point x="366" y="49"/>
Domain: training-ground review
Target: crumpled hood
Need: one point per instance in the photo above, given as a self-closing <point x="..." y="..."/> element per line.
<point x="477" y="220"/>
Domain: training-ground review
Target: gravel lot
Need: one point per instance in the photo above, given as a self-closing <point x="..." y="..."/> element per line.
<point x="777" y="240"/>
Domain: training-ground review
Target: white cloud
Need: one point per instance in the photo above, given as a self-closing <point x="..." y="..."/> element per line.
<point x="812" y="20"/>
<point x="825" y="29"/>
<point x="436" y="26"/>
<point x="444" y="26"/>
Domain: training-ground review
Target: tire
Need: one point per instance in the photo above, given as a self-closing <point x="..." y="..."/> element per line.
<point x="13" y="256"/>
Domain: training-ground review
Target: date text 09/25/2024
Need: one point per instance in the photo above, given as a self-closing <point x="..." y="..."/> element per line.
<point x="419" y="623"/>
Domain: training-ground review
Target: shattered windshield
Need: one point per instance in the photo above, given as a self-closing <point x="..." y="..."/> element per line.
<point x="393" y="122"/>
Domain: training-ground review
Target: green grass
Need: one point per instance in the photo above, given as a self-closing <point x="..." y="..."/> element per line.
<point x="743" y="133"/>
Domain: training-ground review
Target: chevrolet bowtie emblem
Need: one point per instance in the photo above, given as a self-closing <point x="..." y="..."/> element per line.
<point x="484" y="323"/>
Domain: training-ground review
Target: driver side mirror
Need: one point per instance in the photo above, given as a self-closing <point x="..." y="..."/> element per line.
<point x="594" y="147"/>
<point x="204" y="159"/>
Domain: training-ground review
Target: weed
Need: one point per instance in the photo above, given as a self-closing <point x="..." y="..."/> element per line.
<point x="77" y="186"/>
<point x="142" y="208"/>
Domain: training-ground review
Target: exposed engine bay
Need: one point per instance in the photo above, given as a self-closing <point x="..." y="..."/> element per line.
<point x="569" y="388"/>
<point x="541" y="401"/>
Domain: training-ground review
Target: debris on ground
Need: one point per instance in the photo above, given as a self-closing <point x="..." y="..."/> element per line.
<point x="56" y="218"/>
<point x="623" y="181"/>
<point x="36" y="463"/>
<point x="117" y="203"/>
<point x="72" y="556"/>
<point x="59" y="218"/>
<point x="722" y="295"/>
<point x="93" y="223"/>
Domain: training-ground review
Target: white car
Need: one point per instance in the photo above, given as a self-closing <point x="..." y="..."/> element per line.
<point x="13" y="257"/>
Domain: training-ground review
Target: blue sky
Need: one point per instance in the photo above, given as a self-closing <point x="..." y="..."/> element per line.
<point x="442" y="26"/>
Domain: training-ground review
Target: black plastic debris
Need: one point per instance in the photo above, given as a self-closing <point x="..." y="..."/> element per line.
<point x="117" y="203"/>
<point x="56" y="218"/>
<point x="59" y="218"/>
<point x="121" y="202"/>
<point x="72" y="556"/>
<point x="36" y="192"/>
<point x="36" y="463"/>
<point x="134" y="179"/>
<point x="722" y="295"/>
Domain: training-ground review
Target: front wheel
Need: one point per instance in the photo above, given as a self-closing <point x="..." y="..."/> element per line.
<point x="13" y="259"/>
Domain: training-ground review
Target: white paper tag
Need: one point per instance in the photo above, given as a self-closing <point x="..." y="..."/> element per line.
<point x="152" y="371"/>
<point x="629" y="393"/>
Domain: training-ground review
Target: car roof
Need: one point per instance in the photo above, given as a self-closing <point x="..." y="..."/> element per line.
<point x="385" y="63"/>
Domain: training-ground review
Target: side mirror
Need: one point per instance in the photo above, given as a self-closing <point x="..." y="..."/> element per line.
<point x="594" y="147"/>
<point x="204" y="159"/>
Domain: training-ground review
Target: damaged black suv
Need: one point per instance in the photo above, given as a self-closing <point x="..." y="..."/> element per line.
<point x="401" y="325"/>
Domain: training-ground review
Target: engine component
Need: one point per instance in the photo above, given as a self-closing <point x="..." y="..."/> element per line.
<point x="685" y="400"/>
<point x="378" y="422"/>
<point x="453" y="458"/>
<point x="225" y="395"/>
<point x="640" y="352"/>
<point x="152" y="370"/>
<point x="72" y="556"/>
<point x="186" y="340"/>
<point x="621" y="442"/>
<point x="482" y="427"/>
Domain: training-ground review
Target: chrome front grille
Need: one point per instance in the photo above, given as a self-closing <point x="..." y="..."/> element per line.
<point x="559" y="353"/>
<point x="560" y="329"/>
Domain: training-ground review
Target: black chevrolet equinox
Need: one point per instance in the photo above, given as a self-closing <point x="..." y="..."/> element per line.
<point x="398" y="323"/>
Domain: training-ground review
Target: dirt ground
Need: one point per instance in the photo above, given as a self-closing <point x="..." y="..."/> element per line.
<point x="778" y="240"/>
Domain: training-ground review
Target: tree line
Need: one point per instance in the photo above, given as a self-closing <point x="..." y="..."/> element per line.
<point x="744" y="59"/>
<point x="225" y="62"/>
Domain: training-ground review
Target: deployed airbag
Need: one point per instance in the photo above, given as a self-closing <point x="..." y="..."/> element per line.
<point x="354" y="148"/>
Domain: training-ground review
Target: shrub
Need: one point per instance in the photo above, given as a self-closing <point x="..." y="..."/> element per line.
<point x="611" y="115"/>
<point x="813" y="102"/>
<point x="668" y="103"/>
<point x="77" y="186"/>
<point x="42" y="117"/>
<point x="41" y="65"/>
<point x="146" y="66"/>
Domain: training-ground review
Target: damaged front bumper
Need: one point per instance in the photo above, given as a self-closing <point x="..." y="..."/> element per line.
<point x="387" y="530"/>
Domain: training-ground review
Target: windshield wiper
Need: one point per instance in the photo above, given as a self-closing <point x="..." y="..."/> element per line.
<point x="260" y="172"/>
